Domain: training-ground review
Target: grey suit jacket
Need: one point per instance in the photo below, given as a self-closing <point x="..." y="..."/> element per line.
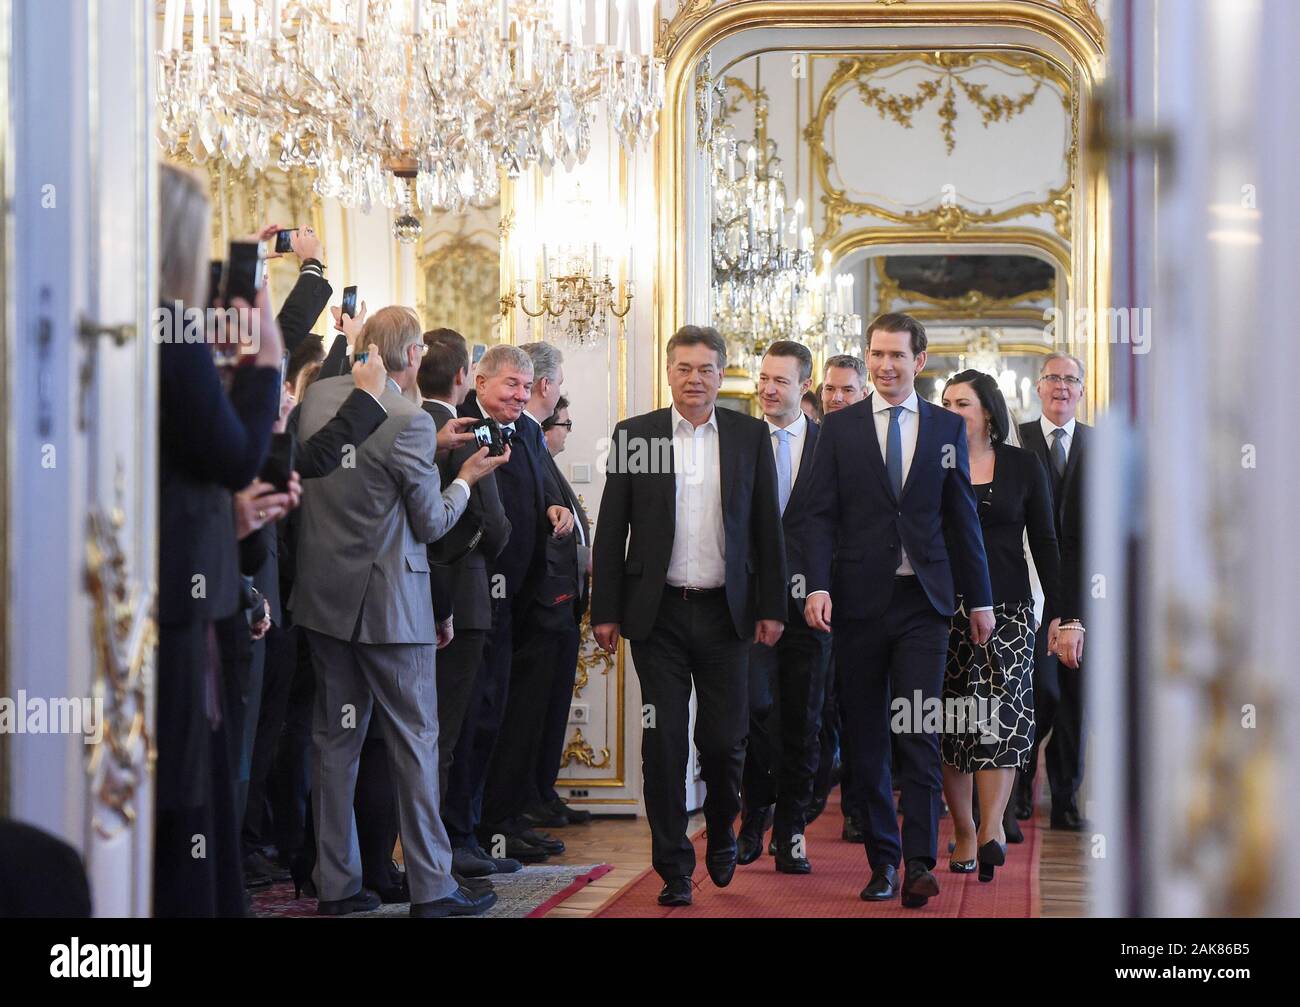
<point x="363" y="572"/>
<point x="466" y="579"/>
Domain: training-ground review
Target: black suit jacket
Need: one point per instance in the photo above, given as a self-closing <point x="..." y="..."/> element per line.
<point x="800" y="495"/>
<point x="1067" y="508"/>
<point x="458" y="562"/>
<point x="627" y="587"/>
<point x="853" y="522"/>
<point x="564" y="587"/>
<point x="525" y="499"/>
<point x="302" y="307"/>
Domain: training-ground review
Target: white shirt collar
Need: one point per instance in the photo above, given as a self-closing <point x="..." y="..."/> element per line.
<point x="1047" y="426"/>
<point x="532" y="417"/>
<point x="883" y="405"/>
<point x="678" y="419"/>
<point x="795" y="429"/>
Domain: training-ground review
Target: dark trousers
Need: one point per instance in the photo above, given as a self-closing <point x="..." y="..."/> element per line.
<point x="1058" y="709"/>
<point x="289" y="785"/>
<point x="555" y="723"/>
<point x="691" y="642"/>
<point x="457" y="667"/>
<point x="462" y="806"/>
<point x="196" y="839"/>
<point x="542" y="657"/>
<point x="277" y="683"/>
<point x="900" y="653"/>
<point x="243" y="663"/>
<point x="787" y="685"/>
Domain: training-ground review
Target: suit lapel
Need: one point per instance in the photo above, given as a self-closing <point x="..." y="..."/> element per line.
<point x="727" y="460"/>
<point x="661" y="431"/>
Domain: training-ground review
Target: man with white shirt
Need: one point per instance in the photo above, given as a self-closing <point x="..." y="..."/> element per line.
<point x="787" y="682"/>
<point x="1060" y="441"/>
<point x="689" y="566"/>
<point x="890" y="482"/>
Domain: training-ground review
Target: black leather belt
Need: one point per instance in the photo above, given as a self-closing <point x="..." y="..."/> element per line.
<point x="694" y="593"/>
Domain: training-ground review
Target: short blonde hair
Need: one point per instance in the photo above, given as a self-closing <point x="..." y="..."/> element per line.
<point x="184" y="234"/>
<point x="393" y="329"/>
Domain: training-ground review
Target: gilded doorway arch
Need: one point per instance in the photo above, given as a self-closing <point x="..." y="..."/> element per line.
<point x="699" y="25"/>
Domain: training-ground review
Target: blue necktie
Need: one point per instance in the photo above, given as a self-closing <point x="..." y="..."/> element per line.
<point x="783" y="474"/>
<point x="894" y="453"/>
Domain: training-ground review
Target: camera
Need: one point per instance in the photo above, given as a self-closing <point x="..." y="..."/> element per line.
<point x="349" y="306"/>
<point x="284" y="240"/>
<point x="488" y="435"/>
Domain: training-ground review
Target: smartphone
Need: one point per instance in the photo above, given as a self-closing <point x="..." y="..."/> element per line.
<point x="279" y="463"/>
<point x="283" y="240"/>
<point x="244" y="274"/>
<point x="349" y="307"/>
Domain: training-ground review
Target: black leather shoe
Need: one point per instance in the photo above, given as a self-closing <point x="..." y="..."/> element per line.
<point x="394" y="894"/>
<point x="541" y="841"/>
<point x="1022" y="797"/>
<point x="720" y="857"/>
<point x="754" y="824"/>
<point x="575" y="816"/>
<point x="362" y="902"/>
<point x="1012" y="827"/>
<point x="461" y="902"/>
<point x="1069" y="820"/>
<point x="961" y="866"/>
<point x="259" y="869"/>
<point x="883" y="885"/>
<point x="676" y="892"/>
<point x="544" y="817"/>
<point x="919" y="885"/>
<point x="472" y="862"/>
<point x="788" y="863"/>
<point x="518" y="848"/>
<point x="852" y="831"/>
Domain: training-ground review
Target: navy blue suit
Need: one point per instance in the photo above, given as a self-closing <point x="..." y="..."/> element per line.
<point x="890" y="633"/>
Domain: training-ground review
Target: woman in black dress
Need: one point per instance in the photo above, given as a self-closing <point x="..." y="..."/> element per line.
<point x="988" y="691"/>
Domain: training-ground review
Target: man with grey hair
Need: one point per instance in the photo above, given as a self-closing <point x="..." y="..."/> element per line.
<point x="362" y="596"/>
<point x="503" y="385"/>
<point x="1061" y="443"/>
<point x="844" y="382"/>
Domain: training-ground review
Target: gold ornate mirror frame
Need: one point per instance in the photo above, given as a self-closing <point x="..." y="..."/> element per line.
<point x="1072" y="25"/>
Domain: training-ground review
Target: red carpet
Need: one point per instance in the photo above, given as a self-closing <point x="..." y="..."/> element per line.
<point x="839" y="872"/>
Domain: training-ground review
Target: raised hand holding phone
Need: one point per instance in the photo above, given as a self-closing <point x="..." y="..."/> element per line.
<point x="369" y="374"/>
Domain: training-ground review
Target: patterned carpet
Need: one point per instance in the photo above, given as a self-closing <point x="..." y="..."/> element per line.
<point x="531" y="892"/>
<point x="831" y="891"/>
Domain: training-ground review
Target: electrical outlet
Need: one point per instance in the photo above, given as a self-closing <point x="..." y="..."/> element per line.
<point x="579" y="472"/>
<point x="580" y="713"/>
<point x="578" y="793"/>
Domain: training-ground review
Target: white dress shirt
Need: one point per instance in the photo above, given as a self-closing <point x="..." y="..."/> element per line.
<point x="445" y="405"/>
<point x="698" y="558"/>
<point x="1047" y="426"/>
<point x="798" y="430"/>
<point x="908" y="425"/>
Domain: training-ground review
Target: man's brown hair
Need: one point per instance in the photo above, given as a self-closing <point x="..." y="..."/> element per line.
<point x="896" y="321"/>
<point x="448" y="354"/>
<point x="695" y="335"/>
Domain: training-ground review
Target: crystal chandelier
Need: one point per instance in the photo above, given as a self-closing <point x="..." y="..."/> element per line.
<point x="412" y="103"/>
<point x="826" y="316"/>
<point x="762" y="256"/>
<point x="575" y="295"/>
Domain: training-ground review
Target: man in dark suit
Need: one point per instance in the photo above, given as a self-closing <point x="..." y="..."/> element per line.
<point x="787" y="682"/>
<point x="1060" y="442"/>
<point x="702" y="577"/>
<point x="543" y="631"/>
<point x="890" y="476"/>
<point x="568" y="573"/>
<point x="459" y="560"/>
<point x="503" y="383"/>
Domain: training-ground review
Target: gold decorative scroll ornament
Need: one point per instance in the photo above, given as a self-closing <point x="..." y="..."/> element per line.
<point x="949" y="217"/>
<point x="579" y="750"/>
<point x="124" y="639"/>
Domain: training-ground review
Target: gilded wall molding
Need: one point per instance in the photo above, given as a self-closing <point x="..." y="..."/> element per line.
<point x="891" y="296"/>
<point x="950" y="217"/>
<point x="125" y="635"/>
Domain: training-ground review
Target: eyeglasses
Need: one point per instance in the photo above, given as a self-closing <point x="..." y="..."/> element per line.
<point x="1056" y="379"/>
<point x="567" y="424"/>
